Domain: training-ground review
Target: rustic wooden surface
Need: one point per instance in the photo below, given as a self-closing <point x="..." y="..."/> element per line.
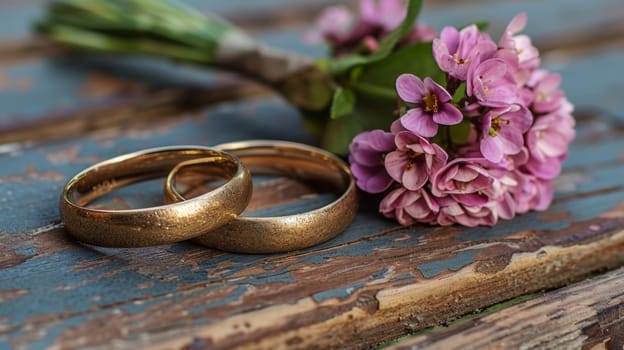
<point x="373" y="283"/>
<point x="585" y="315"/>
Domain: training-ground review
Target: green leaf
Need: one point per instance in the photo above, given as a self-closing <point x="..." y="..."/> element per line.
<point x="368" y="114"/>
<point x="342" y="103"/>
<point x="460" y="133"/>
<point x="340" y="66"/>
<point x="459" y="94"/>
<point x="483" y="25"/>
<point x="338" y="134"/>
<point x="375" y="94"/>
<point x="379" y="79"/>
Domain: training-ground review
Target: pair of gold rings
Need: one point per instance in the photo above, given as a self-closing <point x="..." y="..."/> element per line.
<point x="211" y="218"/>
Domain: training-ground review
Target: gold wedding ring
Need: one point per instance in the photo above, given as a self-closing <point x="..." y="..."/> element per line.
<point x="281" y="233"/>
<point x="156" y="225"/>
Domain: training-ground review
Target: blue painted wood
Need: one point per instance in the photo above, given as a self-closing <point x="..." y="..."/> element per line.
<point x="580" y="76"/>
<point x="63" y="86"/>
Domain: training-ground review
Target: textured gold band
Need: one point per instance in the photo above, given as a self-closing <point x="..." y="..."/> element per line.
<point x="156" y="225"/>
<point x="282" y="233"/>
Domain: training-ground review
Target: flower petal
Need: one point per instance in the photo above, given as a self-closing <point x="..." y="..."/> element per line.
<point x="419" y="122"/>
<point x="372" y="180"/>
<point x="380" y="140"/>
<point x="436" y="89"/>
<point x="471" y="199"/>
<point x="492" y="149"/>
<point x="365" y="157"/>
<point x="368" y="11"/>
<point x="416" y="177"/>
<point x="465" y="174"/>
<point x="396" y="163"/>
<point x="378" y="183"/>
<point x="449" y="36"/>
<point x="517" y="24"/>
<point x="448" y="115"/>
<point x="410" y="88"/>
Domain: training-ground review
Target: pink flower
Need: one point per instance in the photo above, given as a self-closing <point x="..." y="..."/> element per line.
<point x="408" y="207"/>
<point x="465" y="180"/>
<point x="548" y="140"/>
<point x="384" y="14"/>
<point x="366" y="155"/>
<point x="499" y="162"/>
<point x="502" y="131"/>
<point x="334" y="25"/>
<point x="347" y="33"/>
<point x="421" y="33"/>
<point x="505" y="205"/>
<point x="414" y="160"/>
<point x="452" y="211"/>
<point x="547" y="97"/>
<point x="520" y="46"/>
<point x="492" y="83"/>
<point x="512" y="161"/>
<point x="519" y="192"/>
<point x="532" y="193"/>
<point x="456" y="50"/>
<point x="432" y="105"/>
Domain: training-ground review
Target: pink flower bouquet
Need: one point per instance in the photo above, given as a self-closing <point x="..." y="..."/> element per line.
<point x="482" y="143"/>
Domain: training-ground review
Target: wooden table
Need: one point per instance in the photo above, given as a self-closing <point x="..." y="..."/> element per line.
<point x="449" y="287"/>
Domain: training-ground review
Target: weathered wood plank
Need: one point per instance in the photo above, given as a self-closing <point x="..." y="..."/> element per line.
<point x="585" y="315"/>
<point x="365" y="291"/>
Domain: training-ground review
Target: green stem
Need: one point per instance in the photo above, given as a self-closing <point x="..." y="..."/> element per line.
<point x="170" y="30"/>
<point x="97" y="42"/>
<point x="375" y="90"/>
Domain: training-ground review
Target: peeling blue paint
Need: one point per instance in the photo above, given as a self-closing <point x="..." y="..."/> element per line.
<point x="403" y="276"/>
<point x="58" y="270"/>
<point x="282" y="275"/>
<point x="27" y="249"/>
<point x="233" y="298"/>
<point x="379" y="274"/>
<point x="461" y="259"/>
<point x="340" y="293"/>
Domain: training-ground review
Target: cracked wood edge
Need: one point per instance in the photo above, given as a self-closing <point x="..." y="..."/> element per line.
<point x="586" y="315"/>
<point x="414" y="306"/>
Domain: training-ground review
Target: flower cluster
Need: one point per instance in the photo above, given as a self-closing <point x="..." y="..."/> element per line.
<point x="484" y="144"/>
<point x="347" y="33"/>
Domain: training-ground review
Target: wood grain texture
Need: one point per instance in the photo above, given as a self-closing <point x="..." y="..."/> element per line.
<point x="372" y="283"/>
<point x="585" y="315"/>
